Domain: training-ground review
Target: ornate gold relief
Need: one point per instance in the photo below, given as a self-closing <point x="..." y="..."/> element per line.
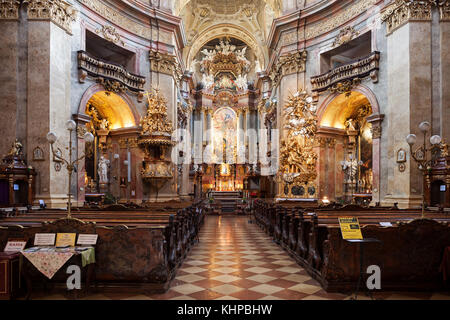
<point x="345" y="87"/>
<point x="59" y="12"/>
<point x="376" y="131"/>
<point x="345" y="35"/>
<point x="165" y="63"/>
<point x="9" y="9"/>
<point x="155" y="121"/>
<point x="128" y="142"/>
<point x="444" y="10"/>
<point x="81" y="130"/>
<point x="297" y="157"/>
<point x="110" y="33"/>
<point x="400" y="12"/>
<point x="288" y="64"/>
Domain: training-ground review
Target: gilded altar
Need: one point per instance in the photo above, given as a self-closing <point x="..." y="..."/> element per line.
<point x="298" y="160"/>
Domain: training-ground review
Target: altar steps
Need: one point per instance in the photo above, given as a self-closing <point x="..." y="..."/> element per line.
<point x="226" y="201"/>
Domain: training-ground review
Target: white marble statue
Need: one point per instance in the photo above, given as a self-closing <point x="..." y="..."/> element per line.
<point x="209" y="54"/>
<point x="241" y="82"/>
<point x="103" y="165"/>
<point x="207" y="80"/>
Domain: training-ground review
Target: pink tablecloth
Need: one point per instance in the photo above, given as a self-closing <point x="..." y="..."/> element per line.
<point x="48" y="262"/>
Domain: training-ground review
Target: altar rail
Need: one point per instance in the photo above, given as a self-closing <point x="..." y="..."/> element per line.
<point x="358" y="69"/>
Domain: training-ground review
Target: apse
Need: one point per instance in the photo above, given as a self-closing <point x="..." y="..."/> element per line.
<point x="113" y="108"/>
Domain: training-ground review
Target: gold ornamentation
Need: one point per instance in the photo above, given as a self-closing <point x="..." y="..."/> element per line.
<point x="444" y="10"/>
<point x="165" y="63"/>
<point x="155" y="121"/>
<point x="16" y="149"/>
<point x="376" y="131"/>
<point x="345" y="35"/>
<point x="59" y="12"/>
<point x="9" y="9"/>
<point x="81" y="130"/>
<point x="110" y="34"/>
<point x="400" y="12"/>
<point x="345" y="87"/>
<point x="124" y="143"/>
<point x="288" y="64"/>
<point x="297" y="158"/>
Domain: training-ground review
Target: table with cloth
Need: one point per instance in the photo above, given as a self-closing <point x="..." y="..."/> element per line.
<point x="49" y="260"/>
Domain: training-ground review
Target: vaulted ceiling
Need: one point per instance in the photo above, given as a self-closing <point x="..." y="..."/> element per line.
<point x="246" y="20"/>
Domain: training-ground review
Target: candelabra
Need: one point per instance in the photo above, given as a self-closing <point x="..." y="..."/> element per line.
<point x="422" y="155"/>
<point x="351" y="167"/>
<point x="70" y="165"/>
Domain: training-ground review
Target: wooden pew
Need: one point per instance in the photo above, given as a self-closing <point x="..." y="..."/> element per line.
<point x="138" y="248"/>
<point x="305" y="235"/>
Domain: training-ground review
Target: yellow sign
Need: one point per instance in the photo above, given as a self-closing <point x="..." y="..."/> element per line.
<point x="350" y="228"/>
<point x="65" y="239"/>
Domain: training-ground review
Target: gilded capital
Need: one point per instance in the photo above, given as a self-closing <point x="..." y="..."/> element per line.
<point x="9" y="9"/>
<point x="400" y="12"/>
<point x="165" y="63"/>
<point x="59" y="12"/>
<point x="287" y="64"/>
<point x="444" y="10"/>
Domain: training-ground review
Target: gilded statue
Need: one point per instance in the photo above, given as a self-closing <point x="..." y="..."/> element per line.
<point x="298" y="160"/>
<point x="16" y="149"/>
<point x="155" y="119"/>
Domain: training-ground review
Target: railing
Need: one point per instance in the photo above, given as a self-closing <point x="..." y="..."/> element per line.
<point x="360" y="68"/>
<point x="97" y="68"/>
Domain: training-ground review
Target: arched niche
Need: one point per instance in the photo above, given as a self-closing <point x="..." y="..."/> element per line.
<point x="118" y="106"/>
<point x="223" y="31"/>
<point x="359" y="137"/>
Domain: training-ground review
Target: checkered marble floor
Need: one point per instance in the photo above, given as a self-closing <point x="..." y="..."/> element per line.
<point x="235" y="260"/>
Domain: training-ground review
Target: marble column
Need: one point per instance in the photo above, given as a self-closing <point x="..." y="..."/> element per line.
<point x="376" y="120"/>
<point x="246" y="112"/>
<point x="48" y="93"/>
<point x="81" y="121"/>
<point x="444" y="53"/>
<point x="409" y="54"/>
<point x="9" y="75"/>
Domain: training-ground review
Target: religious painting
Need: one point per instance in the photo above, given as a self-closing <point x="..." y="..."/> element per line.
<point x="401" y="155"/>
<point x="224" y="81"/>
<point x="38" y="154"/>
<point x="224" y="135"/>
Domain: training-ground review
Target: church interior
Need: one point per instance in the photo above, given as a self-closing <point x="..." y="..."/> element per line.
<point x="225" y="150"/>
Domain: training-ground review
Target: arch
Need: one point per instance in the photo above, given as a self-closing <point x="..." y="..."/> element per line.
<point x="96" y="88"/>
<point x="180" y="4"/>
<point x="223" y="30"/>
<point x="362" y="89"/>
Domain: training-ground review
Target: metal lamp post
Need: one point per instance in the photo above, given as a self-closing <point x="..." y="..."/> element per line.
<point x="70" y="165"/>
<point x="420" y="155"/>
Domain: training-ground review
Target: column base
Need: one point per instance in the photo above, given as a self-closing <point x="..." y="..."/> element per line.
<point x="411" y="202"/>
<point x="53" y="201"/>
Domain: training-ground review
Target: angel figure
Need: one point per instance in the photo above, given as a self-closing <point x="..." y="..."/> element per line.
<point x="16" y="149"/>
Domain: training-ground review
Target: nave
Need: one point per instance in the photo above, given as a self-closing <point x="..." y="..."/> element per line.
<point x="235" y="260"/>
